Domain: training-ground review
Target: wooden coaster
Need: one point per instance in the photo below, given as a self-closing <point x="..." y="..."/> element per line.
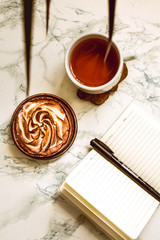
<point x="98" y="99"/>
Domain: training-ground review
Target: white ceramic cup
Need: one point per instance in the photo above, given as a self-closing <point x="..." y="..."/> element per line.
<point x="99" y="89"/>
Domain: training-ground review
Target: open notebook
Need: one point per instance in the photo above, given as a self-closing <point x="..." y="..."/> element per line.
<point x="108" y="197"/>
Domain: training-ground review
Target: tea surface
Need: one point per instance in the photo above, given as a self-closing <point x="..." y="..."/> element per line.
<point x="87" y="62"/>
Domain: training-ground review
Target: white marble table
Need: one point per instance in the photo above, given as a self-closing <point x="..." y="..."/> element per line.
<point x="30" y="206"/>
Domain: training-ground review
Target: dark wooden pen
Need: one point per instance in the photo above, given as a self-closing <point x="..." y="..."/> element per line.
<point x="108" y="154"/>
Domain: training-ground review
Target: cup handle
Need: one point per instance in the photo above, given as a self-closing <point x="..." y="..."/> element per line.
<point x="129" y="58"/>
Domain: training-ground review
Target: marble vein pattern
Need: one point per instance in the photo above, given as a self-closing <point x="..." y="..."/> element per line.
<point x="31" y="207"/>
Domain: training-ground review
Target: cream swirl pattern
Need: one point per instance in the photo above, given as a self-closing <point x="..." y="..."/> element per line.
<point x="42" y="126"/>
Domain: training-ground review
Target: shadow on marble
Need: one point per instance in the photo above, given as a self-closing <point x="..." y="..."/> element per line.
<point x="67" y="90"/>
<point x="80" y="220"/>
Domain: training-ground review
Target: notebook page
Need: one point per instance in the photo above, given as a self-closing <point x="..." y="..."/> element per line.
<point x="112" y="193"/>
<point x="135" y="140"/>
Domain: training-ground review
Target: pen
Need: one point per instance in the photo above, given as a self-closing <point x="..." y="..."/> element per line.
<point x="108" y="154"/>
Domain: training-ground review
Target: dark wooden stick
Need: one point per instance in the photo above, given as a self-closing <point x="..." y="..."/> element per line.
<point x="112" y="5"/>
<point x="47" y="14"/>
<point x="28" y="19"/>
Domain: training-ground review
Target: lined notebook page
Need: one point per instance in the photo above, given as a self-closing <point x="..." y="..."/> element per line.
<point x="112" y="193"/>
<point x="135" y="140"/>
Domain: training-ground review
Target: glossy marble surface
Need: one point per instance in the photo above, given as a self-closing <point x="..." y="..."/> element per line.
<point x="30" y="205"/>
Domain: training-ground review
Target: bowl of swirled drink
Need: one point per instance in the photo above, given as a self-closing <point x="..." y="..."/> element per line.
<point x="44" y="126"/>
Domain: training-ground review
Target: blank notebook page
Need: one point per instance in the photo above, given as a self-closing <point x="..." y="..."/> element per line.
<point x="111" y="192"/>
<point x="135" y="140"/>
